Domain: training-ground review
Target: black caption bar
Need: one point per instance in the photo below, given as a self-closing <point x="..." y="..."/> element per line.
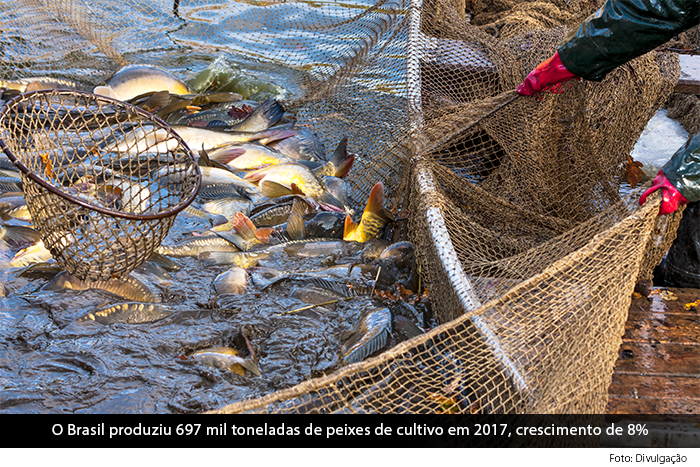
<point x="305" y="431"/>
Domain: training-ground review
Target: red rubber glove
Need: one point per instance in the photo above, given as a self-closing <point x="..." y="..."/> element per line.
<point x="672" y="198"/>
<point x="546" y="77"/>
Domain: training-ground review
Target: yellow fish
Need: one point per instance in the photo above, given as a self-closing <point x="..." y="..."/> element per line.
<point x="373" y="220"/>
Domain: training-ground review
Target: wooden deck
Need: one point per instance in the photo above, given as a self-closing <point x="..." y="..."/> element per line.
<point x="658" y="369"/>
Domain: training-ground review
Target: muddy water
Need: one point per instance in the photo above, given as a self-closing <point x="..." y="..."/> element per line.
<point x="51" y="362"/>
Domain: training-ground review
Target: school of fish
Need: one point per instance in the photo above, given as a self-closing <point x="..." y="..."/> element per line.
<point x="272" y="218"/>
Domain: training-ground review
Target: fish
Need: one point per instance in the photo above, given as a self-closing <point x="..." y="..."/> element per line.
<point x="214" y="191"/>
<point x="305" y="145"/>
<point x="150" y="270"/>
<point x="373" y="220"/>
<point x="216" y="176"/>
<point x="36" y="83"/>
<point x="228" y="207"/>
<point x="233" y="281"/>
<point x="128" y="288"/>
<point x="135" y="198"/>
<point x="129" y="312"/>
<point x="254" y="156"/>
<point x="226" y="358"/>
<point x="36" y="253"/>
<point x="398" y="263"/>
<point x="133" y="80"/>
<point x="241" y="259"/>
<point x="370" y="334"/>
<point x="339" y="164"/>
<point x="196" y="245"/>
<point x="246" y="231"/>
<point x="326" y="224"/>
<point x="405" y="329"/>
<point x="263" y="117"/>
<point x="161" y="140"/>
<point x="18" y="236"/>
<point x="291" y="178"/>
<point x="275" y="211"/>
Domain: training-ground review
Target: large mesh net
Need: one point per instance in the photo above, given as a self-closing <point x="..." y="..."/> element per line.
<point x="528" y="248"/>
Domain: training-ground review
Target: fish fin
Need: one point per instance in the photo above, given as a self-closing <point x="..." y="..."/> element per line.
<point x="20" y="235"/>
<point x="274" y="190"/>
<point x="349" y="228"/>
<point x="271" y="111"/>
<point x="330" y="207"/>
<point x="255" y="176"/>
<point x="243" y="226"/>
<point x="204" y="160"/>
<point x="170" y="108"/>
<point x="105" y="91"/>
<point x="263" y="234"/>
<point x="269" y="136"/>
<point x="343" y="169"/>
<point x="296" y="190"/>
<point x="375" y="202"/>
<point x="296" y="228"/>
<point x="251" y="365"/>
<point x="389" y="215"/>
<point x="227" y="155"/>
<point x="341" y="161"/>
<point x="34" y="86"/>
<point x="156" y="101"/>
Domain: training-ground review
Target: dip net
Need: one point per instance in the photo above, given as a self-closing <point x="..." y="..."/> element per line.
<point x="529" y="243"/>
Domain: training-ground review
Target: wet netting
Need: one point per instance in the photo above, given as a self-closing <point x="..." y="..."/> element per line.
<point x="526" y="246"/>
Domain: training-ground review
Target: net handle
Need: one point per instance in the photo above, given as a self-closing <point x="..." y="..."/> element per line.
<point x="81" y="202"/>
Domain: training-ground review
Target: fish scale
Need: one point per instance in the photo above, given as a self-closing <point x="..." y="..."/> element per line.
<point x="130" y="313"/>
<point x="129" y="288"/>
<point x="193" y="247"/>
<point x="370" y="334"/>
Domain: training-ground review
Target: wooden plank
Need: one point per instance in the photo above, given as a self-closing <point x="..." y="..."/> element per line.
<point x="648" y="386"/>
<point x="630" y="405"/>
<point x="689" y="80"/>
<point x="658" y="370"/>
<point x="662" y="329"/>
<point x="658" y="359"/>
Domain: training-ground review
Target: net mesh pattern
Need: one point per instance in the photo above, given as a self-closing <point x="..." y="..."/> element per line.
<point x="102" y="199"/>
<point x="525" y="243"/>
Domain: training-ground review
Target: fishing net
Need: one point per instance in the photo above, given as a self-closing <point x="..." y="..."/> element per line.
<point x="527" y="244"/>
<point x="103" y="202"/>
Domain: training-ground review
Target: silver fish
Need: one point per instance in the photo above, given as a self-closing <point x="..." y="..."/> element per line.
<point x="226" y="358"/>
<point x="129" y="288"/>
<point x="368" y="336"/>
<point x="234" y="281"/>
<point x="196" y="245"/>
<point x="130" y="313"/>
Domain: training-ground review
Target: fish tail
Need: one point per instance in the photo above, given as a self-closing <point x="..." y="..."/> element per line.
<point x="224" y="156"/>
<point x="262" y="234"/>
<point x="271" y="111"/>
<point x="243" y="226"/>
<point x="342" y="161"/>
<point x="349" y="228"/>
<point x="270" y="136"/>
<point x="375" y="202"/>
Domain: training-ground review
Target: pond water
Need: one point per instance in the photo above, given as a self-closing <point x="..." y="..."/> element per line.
<point x="53" y="361"/>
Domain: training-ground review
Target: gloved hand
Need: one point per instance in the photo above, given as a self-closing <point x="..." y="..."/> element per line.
<point x="672" y="198"/>
<point x="547" y="76"/>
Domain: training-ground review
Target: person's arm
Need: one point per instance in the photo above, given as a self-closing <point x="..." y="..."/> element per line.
<point x="615" y="34"/>
<point x="622" y="30"/>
